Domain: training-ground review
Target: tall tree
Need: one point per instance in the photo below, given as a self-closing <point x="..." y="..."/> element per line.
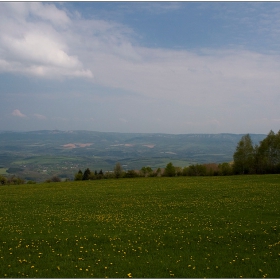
<point x="268" y="154"/>
<point x="118" y="170"/>
<point x="244" y="156"/>
<point x="170" y="170"/>
<point x="86" y="174"/>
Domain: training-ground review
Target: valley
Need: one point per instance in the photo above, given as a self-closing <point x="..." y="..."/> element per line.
<point x="38" y="155"/>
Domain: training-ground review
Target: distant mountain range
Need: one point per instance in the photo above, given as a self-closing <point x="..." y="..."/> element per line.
<point x="37" y="155"/>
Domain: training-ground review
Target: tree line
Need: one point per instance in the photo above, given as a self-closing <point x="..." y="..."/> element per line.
<point x="263" y="158"/>
<point x="170" y="170"/>
<point x="258" y="159"/>
<point x="247" y="159"/>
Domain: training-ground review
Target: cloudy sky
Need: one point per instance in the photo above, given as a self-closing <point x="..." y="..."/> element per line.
<point x="169" y="67"/>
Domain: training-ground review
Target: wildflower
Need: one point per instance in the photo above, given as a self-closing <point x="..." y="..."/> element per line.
<point x="129" y="275"/>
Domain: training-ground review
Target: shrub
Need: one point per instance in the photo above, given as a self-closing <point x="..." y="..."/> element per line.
<point x="30" y="182"/>
<point x="79" y="176"/>
<point x="53" y="179"/>
<point x="131" y="174"/>
<point x="3" y="180"/>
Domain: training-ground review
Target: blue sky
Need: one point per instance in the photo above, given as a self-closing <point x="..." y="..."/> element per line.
<point x="168" y="67"/>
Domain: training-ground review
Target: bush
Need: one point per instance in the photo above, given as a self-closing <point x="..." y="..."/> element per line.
<point x="225" y="169"/>
<point x="30" y="182"/>
<point x="53" y="179"/>
<point x="79" y="176"/>
<point x="195" y="170"/>
<point x="131" y="174"/>
<point x="3" y="180"/>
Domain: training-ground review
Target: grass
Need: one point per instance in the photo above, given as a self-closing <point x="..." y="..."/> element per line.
<point x="3" y="171"/>
<point x="183" y="227"/>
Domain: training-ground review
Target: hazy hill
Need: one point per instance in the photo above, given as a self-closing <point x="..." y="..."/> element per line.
<point x="40" y="154"/>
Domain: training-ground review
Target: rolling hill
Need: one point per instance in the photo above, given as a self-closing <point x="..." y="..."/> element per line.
<point x="37" y="155"/>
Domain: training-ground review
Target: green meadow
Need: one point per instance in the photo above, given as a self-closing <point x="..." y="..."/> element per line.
<point x="182" y="227"/>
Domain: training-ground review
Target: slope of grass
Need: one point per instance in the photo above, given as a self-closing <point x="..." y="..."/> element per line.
<point x="214" y="227"/>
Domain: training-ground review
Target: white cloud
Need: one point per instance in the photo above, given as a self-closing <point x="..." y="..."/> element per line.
<point x="210" y="78"/>
<point x="48" y="12"/>
<point x="36" y="46"/>
<point x="17" y="113"/>
<point x="215" y="88"/>
<point x="40" y="117"/>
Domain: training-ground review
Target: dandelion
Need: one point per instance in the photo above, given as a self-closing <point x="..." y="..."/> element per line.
<point x="129" y="275"/>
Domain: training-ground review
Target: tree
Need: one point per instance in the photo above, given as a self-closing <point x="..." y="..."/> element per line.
<point x="170" y="170"/>
<point x="79" y="176"/>
<point x="86" y="174"/>
<point x="244" y="156"/>
<point x="118" y="170"/>
<point x="195" y="170"/>
<point x="158" y="172"/>
<point x="225" y="169"/>
<point x="146" y="171"/>
<point x="268" y="154"/>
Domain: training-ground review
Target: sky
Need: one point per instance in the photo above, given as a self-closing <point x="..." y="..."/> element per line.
<point x="145" y="67"/>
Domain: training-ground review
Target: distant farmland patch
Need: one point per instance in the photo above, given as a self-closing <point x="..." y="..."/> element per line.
<point x="149" y="146"/>
<point x="77" y="145"/>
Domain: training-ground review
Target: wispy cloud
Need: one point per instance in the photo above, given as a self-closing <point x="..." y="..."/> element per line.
<point x="201" y="88"/>
<point x="17" y="113"/>
<point x="161" y="7"/>
<point x="40" y="117"/>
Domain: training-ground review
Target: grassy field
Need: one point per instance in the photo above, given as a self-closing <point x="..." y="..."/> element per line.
<point x="3" y="171"/>
<point x="183" y="227"/>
